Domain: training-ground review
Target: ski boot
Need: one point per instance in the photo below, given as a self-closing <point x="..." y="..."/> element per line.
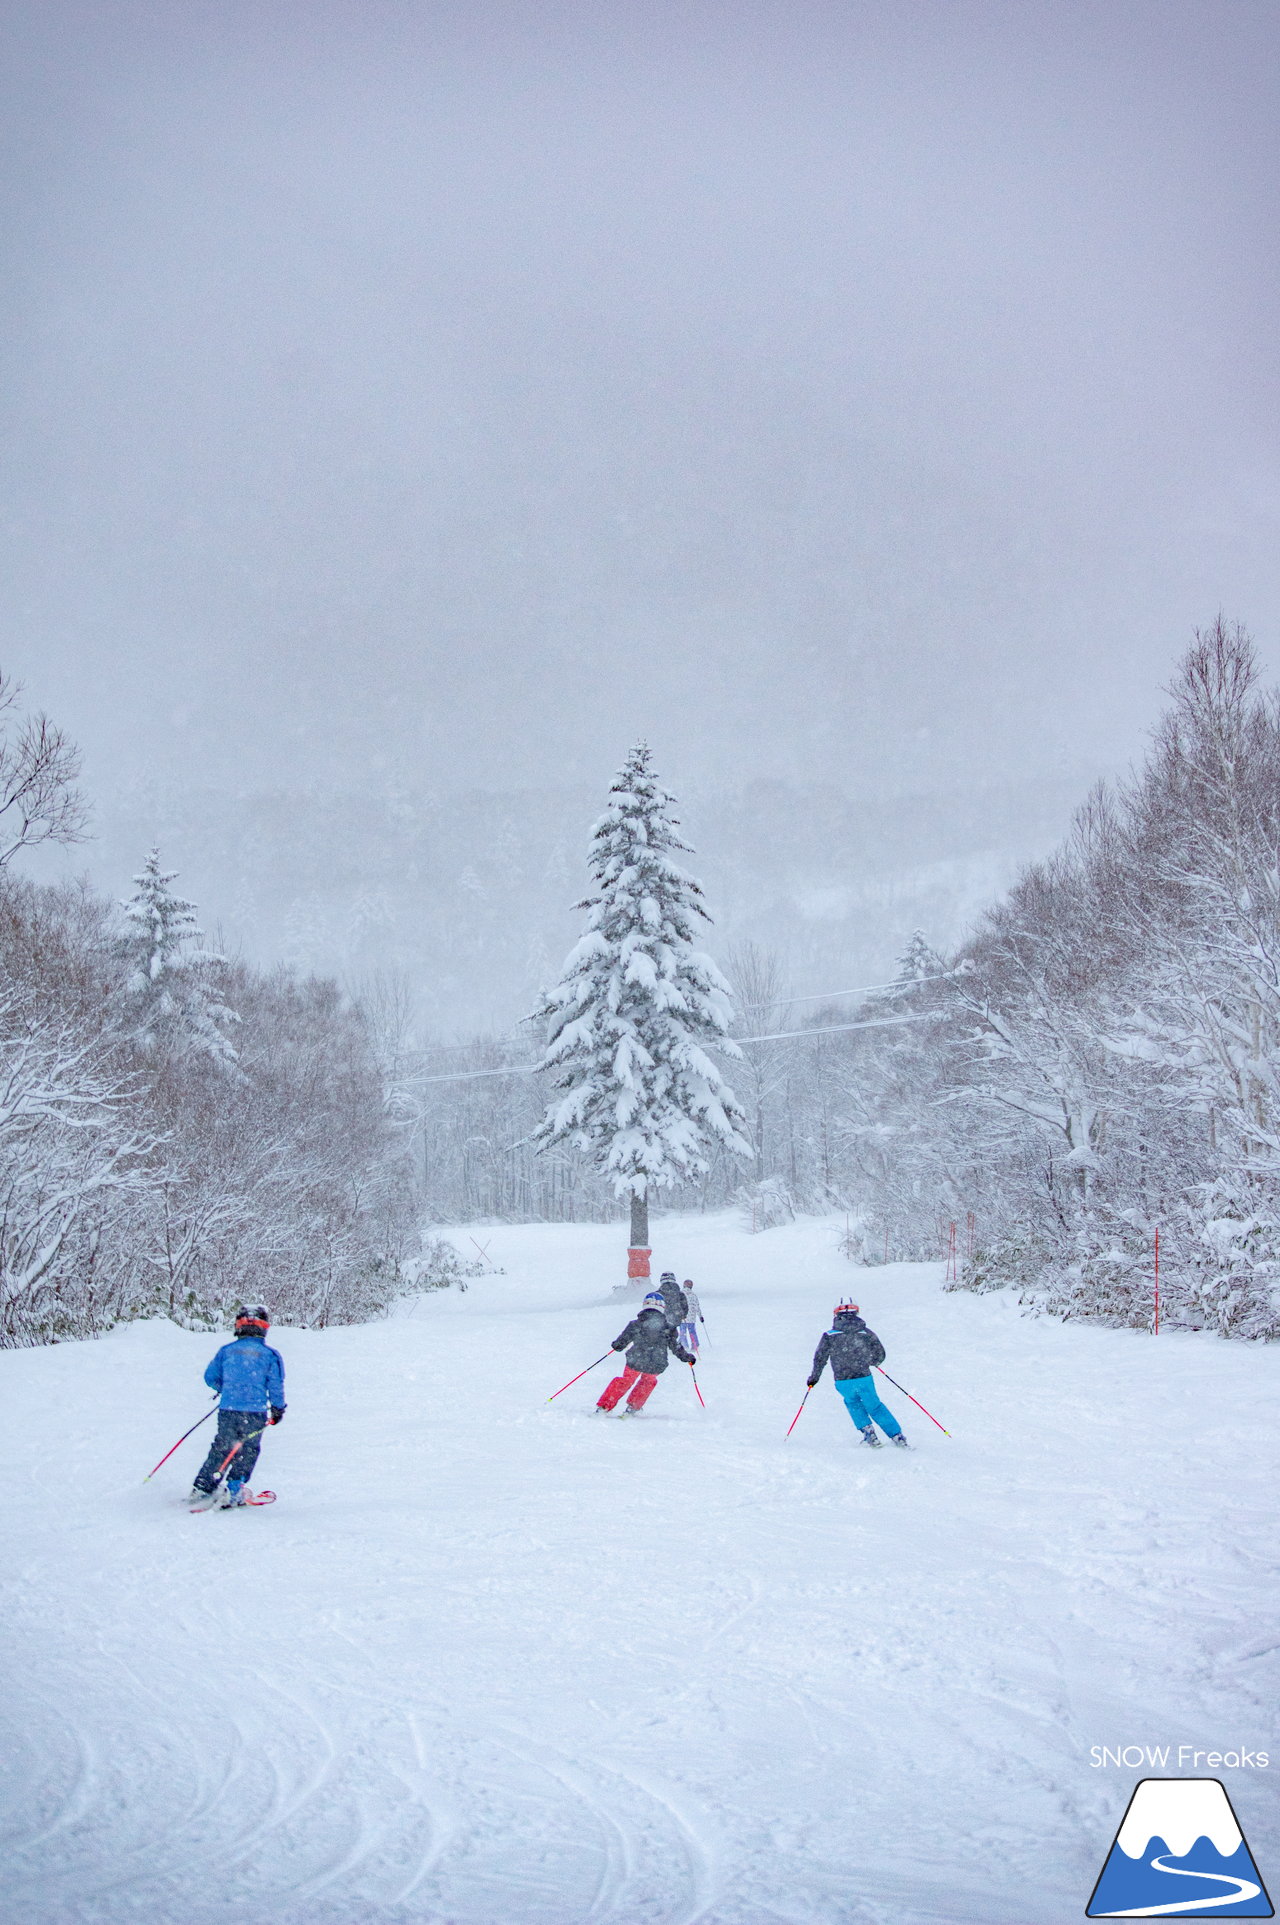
<point x="236" y="1496"/>
<point x="900" y="1441"/>
<point x="201" y="1500"/>
<point x="869" y="1437"/>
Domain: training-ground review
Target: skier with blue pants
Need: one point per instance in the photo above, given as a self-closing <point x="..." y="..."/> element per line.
<point x="854" y="1351"/>
<point x="249" y="1378"/>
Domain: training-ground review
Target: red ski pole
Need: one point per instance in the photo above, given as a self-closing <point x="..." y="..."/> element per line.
<point x="182" y="1440"/>
<point x="796" y="1419"/>
<point x="915" y="1400"/>
<point x="573" y="1380"/>
<point x="693" y="1373"/>
<point x="234" y="1448"/>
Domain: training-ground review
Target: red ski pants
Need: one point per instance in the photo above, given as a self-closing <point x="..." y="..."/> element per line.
<point x="641" y="1380"/>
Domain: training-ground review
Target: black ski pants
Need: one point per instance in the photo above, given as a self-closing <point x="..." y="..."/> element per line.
<point x="232" y="1426"/>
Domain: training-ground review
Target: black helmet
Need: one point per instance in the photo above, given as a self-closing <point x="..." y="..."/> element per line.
<point x="252" y="1316"/>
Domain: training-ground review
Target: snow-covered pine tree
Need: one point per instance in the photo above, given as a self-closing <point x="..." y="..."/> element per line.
<point x="637" y="1010"/>
<point x="918" y="961"/>
<point x="172" y="1004"/>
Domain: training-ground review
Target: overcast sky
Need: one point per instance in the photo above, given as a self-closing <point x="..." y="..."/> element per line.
<point x="452" y="393"/>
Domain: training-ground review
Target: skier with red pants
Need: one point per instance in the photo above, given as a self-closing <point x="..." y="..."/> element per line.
<point x="647" y="1341"/>
<point x="249" y="1378"/>
<point x="854" y="1351"/>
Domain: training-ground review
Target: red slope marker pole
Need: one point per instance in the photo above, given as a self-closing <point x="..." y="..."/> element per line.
<point x="915" y="1400"/>
<point x="796" y="1419"/>
<point x="182" y="1440"/>
<point x="701" y="1399"/>
<point x="573" y="1380"/>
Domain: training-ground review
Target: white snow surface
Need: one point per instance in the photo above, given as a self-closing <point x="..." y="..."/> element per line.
<point x="493" y="1660"/>
<point x="1179" y="1810"/>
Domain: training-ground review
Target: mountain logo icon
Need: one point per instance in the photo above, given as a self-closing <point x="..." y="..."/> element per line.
<point x="1179" y="1853"/>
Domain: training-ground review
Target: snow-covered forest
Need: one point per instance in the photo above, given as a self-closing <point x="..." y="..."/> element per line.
<point x="173" y="1121"/>
<point x="1095" y="1063"/>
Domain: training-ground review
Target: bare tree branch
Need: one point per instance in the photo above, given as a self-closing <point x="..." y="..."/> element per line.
<point x="39" y="773"/>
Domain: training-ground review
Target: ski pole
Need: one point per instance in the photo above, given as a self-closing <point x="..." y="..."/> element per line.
<point x="915" y="1400"/>
<point x="218" y="1476"/>
<point x="701" y="1399"/>
<point x="182" y="1440"/>
<point x="573" y="1380"/>
<point x="796" y="1419"/>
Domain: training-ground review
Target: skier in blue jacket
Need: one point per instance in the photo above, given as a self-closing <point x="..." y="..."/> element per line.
<point x="854" y="1351"/>
<point x="249" y="1377"/>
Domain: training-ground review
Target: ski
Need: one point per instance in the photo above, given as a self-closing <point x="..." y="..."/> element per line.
<point x="217" y="1503"/>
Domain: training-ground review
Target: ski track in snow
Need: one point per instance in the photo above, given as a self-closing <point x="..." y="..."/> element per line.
<point x="491" y="1661"/>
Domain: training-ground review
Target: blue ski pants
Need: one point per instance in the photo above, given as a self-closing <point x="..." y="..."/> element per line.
<point x="864" y="1406"/>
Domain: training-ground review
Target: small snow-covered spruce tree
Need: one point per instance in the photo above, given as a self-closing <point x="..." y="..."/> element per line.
<point x="171" y="1002"/>
<point x="919" y="960"/>
<point x="638" y="1009"/>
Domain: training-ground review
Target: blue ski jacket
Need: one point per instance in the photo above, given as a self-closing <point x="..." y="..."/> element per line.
<point x="249" y="1374"/>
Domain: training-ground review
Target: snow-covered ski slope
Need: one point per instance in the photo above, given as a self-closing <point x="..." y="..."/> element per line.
<point x="491" y="1661"/>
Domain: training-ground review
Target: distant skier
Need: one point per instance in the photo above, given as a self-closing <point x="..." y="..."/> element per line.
<point x="694" y="1316"/>
<point x="674" y="1301"/>
<point x="854" y="1351"/>
<point x="249" y="1375"/>
<point x="650" y="1338"/>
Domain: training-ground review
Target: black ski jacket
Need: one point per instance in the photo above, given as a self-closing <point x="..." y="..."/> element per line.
<point x="650" y="1337"/>
<point x="853" y="1349"/>
<point x="676" y="1301"/>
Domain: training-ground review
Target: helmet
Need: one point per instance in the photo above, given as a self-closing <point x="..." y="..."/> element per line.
<point x="653" y="1301"/>
<point x="841" y="1308"/>
<point x="253" y="1316"/>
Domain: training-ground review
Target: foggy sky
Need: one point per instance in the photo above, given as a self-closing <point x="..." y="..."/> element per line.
<point x="451" y="394"/>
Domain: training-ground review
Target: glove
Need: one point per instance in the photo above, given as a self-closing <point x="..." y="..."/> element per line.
<point x="813" y="1383"/>
<point x="277" y="1413"/>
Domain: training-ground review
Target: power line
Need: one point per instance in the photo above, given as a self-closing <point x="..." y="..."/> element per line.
<point x="820" y="996"/>
<point x="830" y="995"/>
<point x="833" y="1029"/>
<point x="783" y="1035"/>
